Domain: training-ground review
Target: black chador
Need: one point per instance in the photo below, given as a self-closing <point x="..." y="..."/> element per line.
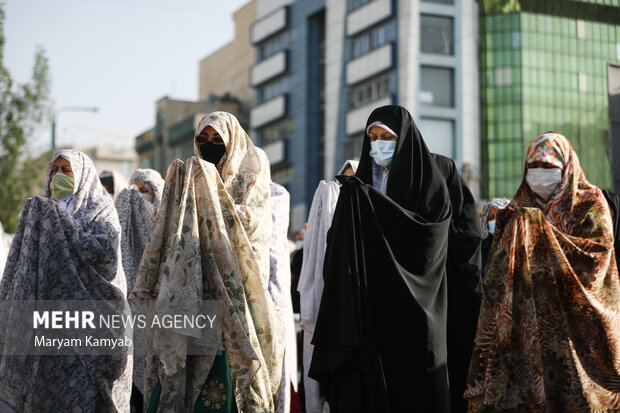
<point x="380" y="338"/>
<point x="464" y="283"/>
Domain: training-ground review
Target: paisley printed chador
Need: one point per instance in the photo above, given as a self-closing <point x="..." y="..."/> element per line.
<point x="548" y="337"/>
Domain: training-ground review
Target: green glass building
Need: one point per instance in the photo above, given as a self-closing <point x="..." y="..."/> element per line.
<point x="543" y="66"/>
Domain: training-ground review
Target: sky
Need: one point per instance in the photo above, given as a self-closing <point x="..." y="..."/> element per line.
<point x="119" y="56"/>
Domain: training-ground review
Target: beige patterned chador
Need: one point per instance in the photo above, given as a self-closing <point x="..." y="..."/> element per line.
<point x="211" y="241"/>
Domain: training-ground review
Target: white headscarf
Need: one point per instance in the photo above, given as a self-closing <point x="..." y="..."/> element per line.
<point x="246" y="179"/>
<point x="348" y="163"/>
<point x="381" y="125"/>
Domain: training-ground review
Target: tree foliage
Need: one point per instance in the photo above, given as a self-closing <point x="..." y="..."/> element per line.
<point x="22" y="108"/>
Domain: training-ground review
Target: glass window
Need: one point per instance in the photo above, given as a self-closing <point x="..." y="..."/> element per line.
<point x="277" y="131"/>
<point x="274" y="45"/>
<point x="437" y="85"/>
<point x="583" y="82"/>
<point x="439" y="1"/>
<point x="369" y="91"/>
<point x="361" y="45"/>
<point x="373" y="39"/>
<point x="273" y="89"/>
<point x="437" y="34"/>
<point x="503" y="76"/>
<point x="516" y="39"/>
<point x="438" y="135"/>
<point x="354" y="4"/>
<point x="581" y="29"/>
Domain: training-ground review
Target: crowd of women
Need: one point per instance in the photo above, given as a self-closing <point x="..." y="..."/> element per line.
<point x="409" y="300"/>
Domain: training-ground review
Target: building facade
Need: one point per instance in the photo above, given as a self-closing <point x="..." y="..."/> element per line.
<point x="172" y="136"/>
<point x="122" y="160"/>
<point x="543" y="66"/>
<point x="322" y="67"/>
<point x="224" y="85"/>
<point x="227" y="70"/>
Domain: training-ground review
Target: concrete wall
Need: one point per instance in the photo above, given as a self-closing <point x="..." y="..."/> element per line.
<point x="228" y="69"/>
<point x="122" y="160"/>
<point x="266" y="7"/>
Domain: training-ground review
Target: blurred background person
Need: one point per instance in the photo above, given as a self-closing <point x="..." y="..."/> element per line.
<point x="310" y="286"/>
<point x="137" y="207"/>
<point x="487" y="221"/>
<point x="113" y="182"/>
<point x="280" y="288"/>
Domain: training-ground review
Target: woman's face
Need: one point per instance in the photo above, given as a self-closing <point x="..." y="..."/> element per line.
<point x="209" y="134"/>
<point x="142" y="188"/>
<point x="377" y="133"/>
<point x="61" y="165"/>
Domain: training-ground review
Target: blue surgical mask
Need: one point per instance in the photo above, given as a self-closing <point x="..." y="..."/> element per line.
<point x="491" y="227"/>
<point x="382" y="151"/>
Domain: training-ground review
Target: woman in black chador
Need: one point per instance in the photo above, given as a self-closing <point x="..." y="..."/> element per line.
<point x="380" y="338"/>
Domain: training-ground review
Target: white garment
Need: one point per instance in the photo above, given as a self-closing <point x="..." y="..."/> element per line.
<point x="67" y="203"/>
<point x="349" y="163"/>
<point x="280" y="290"/>
<point x="311" y="284"/>
<point x="5" y="246"/>
<point x="314" y="402"/>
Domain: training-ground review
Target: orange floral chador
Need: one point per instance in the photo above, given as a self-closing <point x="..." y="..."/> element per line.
<point x="548" y="337"/>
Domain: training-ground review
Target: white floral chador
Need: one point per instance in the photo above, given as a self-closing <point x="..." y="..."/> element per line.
<point x="137" y="216"/>
<point x="57" y="255"/>
<point x="211" y="241"/>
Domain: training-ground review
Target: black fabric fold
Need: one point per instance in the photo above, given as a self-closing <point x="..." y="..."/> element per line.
<point x="463" y="268"/>
<point x="614" y="204"/>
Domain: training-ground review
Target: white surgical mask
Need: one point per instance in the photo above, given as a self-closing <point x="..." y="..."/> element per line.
<point x="491" y="227"/>
<point x="382" y="151"/>
<point x="544" y="182"/>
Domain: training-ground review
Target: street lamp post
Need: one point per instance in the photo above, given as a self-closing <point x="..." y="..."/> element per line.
<point x="68" y="109"/>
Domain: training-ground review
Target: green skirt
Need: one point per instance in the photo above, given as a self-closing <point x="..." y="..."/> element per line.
<point x="216" y="394"/>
